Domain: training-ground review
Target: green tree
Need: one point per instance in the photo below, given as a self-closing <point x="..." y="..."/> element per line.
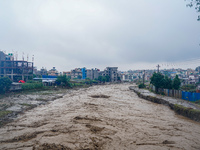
<point x="167" y="83"/>
<point x="176" y="83"/>
<point x="196" y="5"/>
<point x="107" y="78"/>
<point x="104" y="79"/>
<point x="5" y="84"/>
<point x="63" y="80"/>
<point x="88" y="81"/>
<point x="158" y="80"/>
<point x="79" y="77"/>
<point x="100" y="78"/>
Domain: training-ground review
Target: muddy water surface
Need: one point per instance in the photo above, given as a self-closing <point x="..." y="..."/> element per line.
<point x="101" y="117"/>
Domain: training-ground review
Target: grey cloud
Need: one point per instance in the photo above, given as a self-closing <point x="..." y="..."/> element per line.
<point x="69" y="34"/>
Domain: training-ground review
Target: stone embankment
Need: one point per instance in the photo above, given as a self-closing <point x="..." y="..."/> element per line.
<point x="182" y="107"/>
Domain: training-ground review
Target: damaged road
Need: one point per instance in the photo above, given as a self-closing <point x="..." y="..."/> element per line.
<point x="101" y="117"/>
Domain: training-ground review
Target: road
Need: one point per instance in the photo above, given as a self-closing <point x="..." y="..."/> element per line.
<point x="101" y="117"/>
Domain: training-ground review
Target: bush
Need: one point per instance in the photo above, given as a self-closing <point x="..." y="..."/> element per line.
<point x="29" y="86"/>
<point x="5" y="84"/>
<point x="141" y="86"/>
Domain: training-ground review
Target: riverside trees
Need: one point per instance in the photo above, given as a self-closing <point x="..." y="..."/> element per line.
<point x="161" y="81"/>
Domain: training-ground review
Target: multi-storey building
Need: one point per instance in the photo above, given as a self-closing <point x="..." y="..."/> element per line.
<point x="15" y="69"/>
<point x="76" y="73"/>
<point x="111" y="72"/>
<point x="93" y="73"/>
<point x="53" y="72"/>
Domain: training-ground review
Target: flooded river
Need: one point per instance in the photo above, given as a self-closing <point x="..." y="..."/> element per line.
<point x="101" y="117"/>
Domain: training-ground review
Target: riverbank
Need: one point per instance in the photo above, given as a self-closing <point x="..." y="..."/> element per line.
<point x="180" y="106"/>
<point x="16" y="103"/>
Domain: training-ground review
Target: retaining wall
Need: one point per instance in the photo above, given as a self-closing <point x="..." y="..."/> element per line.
<point x="181" y="110"/>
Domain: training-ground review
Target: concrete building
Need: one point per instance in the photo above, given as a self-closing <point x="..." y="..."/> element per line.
<point x="15" y="69"/>
<point x="93" y="73"/>
<point x="42" y="71"/>
<point x="53" y="72"/>
<point x="67" y="73"/>
<point x="76" y="73"/>
<point x="111" y="72"/>
<point x="84" y="73"/>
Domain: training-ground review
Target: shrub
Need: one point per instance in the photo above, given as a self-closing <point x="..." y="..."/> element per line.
<point x="141" y="86"/>
<point x="5" y="84"/>
<point x="29" y="86"/>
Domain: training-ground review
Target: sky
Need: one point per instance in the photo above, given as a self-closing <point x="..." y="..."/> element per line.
<point x="129" y="34"/>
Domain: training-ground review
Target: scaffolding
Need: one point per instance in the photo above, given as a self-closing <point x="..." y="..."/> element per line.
<point x="15" y="69"/>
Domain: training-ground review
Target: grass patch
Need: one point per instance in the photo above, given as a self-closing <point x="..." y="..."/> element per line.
<point x="4" y="113"/>
<point x="197" y="102"/>
<point x="193" y="114"/>
<point x="41" y="99"/>
<point x="24" y="104"/>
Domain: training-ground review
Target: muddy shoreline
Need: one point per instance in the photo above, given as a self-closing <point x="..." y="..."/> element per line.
<point x="18" y="103"/>
<point x="186" y="111"/>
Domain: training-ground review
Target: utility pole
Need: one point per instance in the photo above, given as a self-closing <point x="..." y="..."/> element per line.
<point x="158" y="67"/>
<point x="143" y="76"/>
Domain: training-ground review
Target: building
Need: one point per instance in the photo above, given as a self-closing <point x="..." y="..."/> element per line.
<point x="111" y="72"/>
<point x="84" y="73"/>
<point x="67" y="73"/>
<point x="53" y="72"/>
<point x="76" y="73"/>
<point x="42" y="71"/>
<point x="93" y="73"/>
<point x="15" y="69"/>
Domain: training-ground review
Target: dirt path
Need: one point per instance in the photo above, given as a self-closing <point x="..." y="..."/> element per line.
<point x="101" y="117"/>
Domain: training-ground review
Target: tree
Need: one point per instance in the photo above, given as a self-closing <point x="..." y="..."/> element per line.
<point x="157" y="80"/>
<point x="196" y="5"/>
<point x="100" y="78"/>
<point x="107" y="78"/>
<point x="167" y="83"/>
<point x="63" y="80"/>
<point x="88" y="81"/>
<point x="176" y="83"/>
<point x="104" y="79"/>
<point x="5" y="84"/>
<point x="79" y="77"/>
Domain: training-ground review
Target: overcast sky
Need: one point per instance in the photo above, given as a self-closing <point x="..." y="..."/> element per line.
<point x="128" y="34"/>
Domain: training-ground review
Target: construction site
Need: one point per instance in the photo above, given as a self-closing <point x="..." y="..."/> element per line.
<point x="15" y="69"/>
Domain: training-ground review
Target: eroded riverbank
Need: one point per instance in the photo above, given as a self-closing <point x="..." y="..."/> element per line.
<point x="14" y="104"/>
<point x="101" y="117"/>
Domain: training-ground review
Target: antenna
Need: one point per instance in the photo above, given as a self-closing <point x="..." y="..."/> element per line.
<point x="27" y="57"/>
<point x="33" y="58"/>
<point x="23" y="56"/>
<point x="16" y="55"/>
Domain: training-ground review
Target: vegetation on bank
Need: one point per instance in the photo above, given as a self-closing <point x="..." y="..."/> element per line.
<point x="30" y="86"/>
<point x="189" y="88"/>
<point x="141" y="86"/>
<point x="5" y="84"/>
<point x="161" y="81"/>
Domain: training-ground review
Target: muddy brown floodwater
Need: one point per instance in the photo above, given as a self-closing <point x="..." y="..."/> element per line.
<point x="101" y="117"/>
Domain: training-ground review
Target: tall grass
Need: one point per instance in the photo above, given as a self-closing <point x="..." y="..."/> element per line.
<point x="30" y="86"/>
